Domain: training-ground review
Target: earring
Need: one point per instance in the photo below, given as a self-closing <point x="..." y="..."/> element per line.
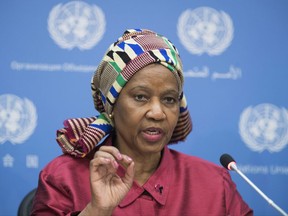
<point x="111" y="115"/>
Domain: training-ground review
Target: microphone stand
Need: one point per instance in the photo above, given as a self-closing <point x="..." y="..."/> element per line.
<point x="234" y="167"/>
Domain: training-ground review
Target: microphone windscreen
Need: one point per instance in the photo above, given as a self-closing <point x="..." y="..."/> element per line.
<point x="225" y="160"/>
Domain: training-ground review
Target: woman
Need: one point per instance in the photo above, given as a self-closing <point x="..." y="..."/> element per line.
<point x="137" y="90"/>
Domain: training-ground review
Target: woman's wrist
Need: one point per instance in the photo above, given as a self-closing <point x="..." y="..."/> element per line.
<point x="91" y="210"/>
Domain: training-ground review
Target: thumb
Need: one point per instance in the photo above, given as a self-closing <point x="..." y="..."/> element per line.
<point x="129" y="175"/>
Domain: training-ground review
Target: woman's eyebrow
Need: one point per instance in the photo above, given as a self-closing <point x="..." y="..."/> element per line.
<point x="143" y="87"/>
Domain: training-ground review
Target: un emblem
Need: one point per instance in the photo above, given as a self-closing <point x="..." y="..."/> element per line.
<point x="264" y="127"/>
<point x="18" y="119"/>
<point x="76" y="24"/>
<point x="205" y="30"/>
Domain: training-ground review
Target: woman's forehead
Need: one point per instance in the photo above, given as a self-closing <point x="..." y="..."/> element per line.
<point x="154" y="75"/>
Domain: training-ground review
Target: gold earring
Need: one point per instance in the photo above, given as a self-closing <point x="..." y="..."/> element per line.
<point x="111" y="115"/>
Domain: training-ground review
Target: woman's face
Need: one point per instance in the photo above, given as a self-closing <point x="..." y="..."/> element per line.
<point x="147" y="111"/>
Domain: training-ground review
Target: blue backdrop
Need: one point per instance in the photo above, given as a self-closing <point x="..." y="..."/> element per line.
<point x="235" y="61"/>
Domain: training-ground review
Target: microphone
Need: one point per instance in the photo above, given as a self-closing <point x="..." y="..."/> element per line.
<point x="229" y="163"/>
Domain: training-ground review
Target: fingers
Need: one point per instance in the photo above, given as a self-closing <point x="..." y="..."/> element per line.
<point x="100" y="167"/>
<point x="129" y="175"/>
<point x="109" y="151"/>
<point x="112" y="153"/>
<point x="106" y="162"/>
<point x="104" y="178"/>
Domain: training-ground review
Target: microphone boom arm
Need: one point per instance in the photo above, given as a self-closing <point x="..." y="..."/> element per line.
<point x="234" y="167"/>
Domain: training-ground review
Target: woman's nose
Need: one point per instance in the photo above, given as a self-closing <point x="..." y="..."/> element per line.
<point x="155" y="110"/>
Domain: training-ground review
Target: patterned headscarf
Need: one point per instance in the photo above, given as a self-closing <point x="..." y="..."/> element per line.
<point x="133" y="51"/>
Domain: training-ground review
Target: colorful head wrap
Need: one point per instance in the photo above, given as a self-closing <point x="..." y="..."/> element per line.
<point x="133" y="51"/>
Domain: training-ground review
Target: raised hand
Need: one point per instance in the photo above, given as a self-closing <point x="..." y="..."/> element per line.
<point x="107" y="188"/>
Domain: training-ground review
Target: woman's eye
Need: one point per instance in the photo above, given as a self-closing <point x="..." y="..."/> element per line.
<point x="170" y="100"/>
<point x="140" y="98"/>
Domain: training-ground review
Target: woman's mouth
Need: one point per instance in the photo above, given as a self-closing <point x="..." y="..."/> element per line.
<point x="152" y="134"/>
